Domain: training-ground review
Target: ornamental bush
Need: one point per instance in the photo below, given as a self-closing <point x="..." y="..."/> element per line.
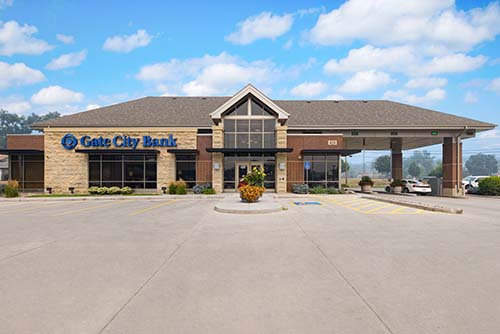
<point x="172" y="187"/>
<point x="300" y="188"/>
<point x="317" y="190"/>
<point x="114" y="191"/>
<point x="333" y="191"/>
<point x="102" y="190"/>
<point x="93" y="190"/>
<point x="12" y="189"/>
<point x="366" y="181"/>
<point x="180" y="188"/>
<point x="490" y="186"/>
<point x="110" y="191"/>
<point x="397" y="183"/>
<point x="200" y="188"/>
<point x="209" y="191"/>
<point x="127" y="190"/>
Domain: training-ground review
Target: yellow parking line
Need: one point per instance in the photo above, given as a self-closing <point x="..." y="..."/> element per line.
<point x="150" y="208"/>
<point x="380" y="207"/>
<point x="367" y="205"/>
<point x="91" y="208"/>
<point x="398" y="210"/>
<point x="40" y="206"/>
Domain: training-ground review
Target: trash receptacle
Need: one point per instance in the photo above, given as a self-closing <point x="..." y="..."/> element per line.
<point x="436" y="184"/>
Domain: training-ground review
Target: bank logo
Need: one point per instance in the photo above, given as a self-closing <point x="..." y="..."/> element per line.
<point x="69" y="141"/>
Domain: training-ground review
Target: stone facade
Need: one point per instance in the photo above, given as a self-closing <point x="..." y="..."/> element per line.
<point x="281" y="159"/>
<point x="66" y="168"/>
<point x="218" y="158"/>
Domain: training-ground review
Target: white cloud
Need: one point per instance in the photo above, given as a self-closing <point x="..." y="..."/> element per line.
<point x="66" y="39"/>
<point x="430" y="97"/>
<point x="56" y="95"/>
<point x="491" y="134"/>
<point x="209" y="75"/>
<point x="15" y="104"/>
<point x="16" y="39"/>
<point x="6" y="3"/>
<point x="127" y="43"/>
<point x="18" y="74"/>
<point x="335" y="97"/>
<point x="67" y="60"/>
<point x="92" y="106"/>
<point x="264" y="25"/>
<point x="226" y="78"/>
<point x="365" y="81"/>
<point x="453" y="63"/>
<point x="309" y="89"/>
<point x="470" y="98"/>
<point x="403" y="59"/>
<point x="426" y="82"/>
<point x="396" y="59"/>
<point x="434" y="24"/>
<point x="494" y="85"/>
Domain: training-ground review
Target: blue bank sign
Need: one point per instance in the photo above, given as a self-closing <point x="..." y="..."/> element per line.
<point x="70" y="141"/>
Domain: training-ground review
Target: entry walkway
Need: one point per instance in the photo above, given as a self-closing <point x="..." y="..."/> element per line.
<point x="233" y="204"/>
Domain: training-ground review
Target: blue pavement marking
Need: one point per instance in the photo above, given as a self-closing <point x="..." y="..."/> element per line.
<point x="307" y="203"/>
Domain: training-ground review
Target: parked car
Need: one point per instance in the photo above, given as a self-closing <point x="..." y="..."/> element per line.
<point x="471" y="183"/>
<point x="414" y="186"/>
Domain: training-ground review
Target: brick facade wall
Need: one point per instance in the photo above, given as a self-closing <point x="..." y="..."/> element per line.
<point x="66" y="168"/>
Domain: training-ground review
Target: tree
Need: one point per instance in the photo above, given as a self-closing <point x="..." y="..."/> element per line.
<point x="383" y="164"/>
<point x="345" y="166"/>
<point x="423" y="159"/>
<point x="15" y="124"/>
<point x="482" y="164"/>
<point x="414" y="169"/>
<point x="437" y="171"/>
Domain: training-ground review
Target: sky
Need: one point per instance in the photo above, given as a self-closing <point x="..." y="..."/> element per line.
<point x="71" y="56"/>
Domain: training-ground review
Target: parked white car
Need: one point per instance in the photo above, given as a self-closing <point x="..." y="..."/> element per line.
<point x="472" y="182"/>
<point x="414" y="186"/>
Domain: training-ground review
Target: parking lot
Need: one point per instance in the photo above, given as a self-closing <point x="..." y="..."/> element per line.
<point x="343" y="265"/>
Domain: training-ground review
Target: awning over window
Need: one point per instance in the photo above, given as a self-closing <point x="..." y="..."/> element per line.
<point x="21" y="151"/>
<point x="249" y="150"/>
<point x="182" y="151"/>
<point x="115" y="151"/>
<point x="340" y="152"/>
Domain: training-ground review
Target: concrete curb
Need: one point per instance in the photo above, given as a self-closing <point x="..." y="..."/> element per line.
<point x="110" y="198"/>
<point x="422" y="206"/>
<point x="223" y="209"/>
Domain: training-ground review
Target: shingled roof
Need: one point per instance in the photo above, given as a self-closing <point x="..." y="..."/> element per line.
<point x="194" y="112"/>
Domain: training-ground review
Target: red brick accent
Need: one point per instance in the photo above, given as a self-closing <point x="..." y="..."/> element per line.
<point x="396" y="159"/>
<point x="299" y="143"/>
<point x="451" y="161"/>
<point x="204" y="159"/>
<point x="25" y="142"/>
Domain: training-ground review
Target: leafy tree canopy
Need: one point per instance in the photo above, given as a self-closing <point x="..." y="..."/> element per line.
<point x="482" y="164"/>
<point x="414" y="169"/>
<point x="383" y="164"/>
<point x="11" y="123"/>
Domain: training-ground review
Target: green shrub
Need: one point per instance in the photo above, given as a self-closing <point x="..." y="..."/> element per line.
<point x="93" y="190"/>
<point x="127" y="190"/>
<point x="317" y="190"/>
<point x="180" y="188"/>
<point x="490" y="186"/>
<point x="12" y="189"/>
<point x="300" y="188"/>
<point x="172" y="188"/>
<point x="102" y="191"/>
<point x="333" y="191"/>
<point x="114" y="191"/>
<point x="209" y="191"/>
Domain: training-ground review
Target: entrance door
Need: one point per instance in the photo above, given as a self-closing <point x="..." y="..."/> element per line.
<point x="243" y="168"/>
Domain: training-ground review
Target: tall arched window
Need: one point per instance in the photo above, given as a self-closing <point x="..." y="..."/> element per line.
<point x="249" y="124"/>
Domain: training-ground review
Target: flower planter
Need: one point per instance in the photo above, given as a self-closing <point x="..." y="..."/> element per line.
<point x="366" y="188"/>
<point x="251" y="194"/>
<point x="397" y="190"/>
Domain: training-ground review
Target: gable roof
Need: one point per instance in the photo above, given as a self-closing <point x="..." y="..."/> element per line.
<point x="185" y="111"/>
<point x="249" y="89"/>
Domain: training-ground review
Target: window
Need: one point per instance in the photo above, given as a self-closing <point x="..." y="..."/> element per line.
<point x="185" y="166"/>
<point x="323" y="171"/>
<point x="27" y="170"/>
<point x="137" y="171"/>
<point x="249" y="125"/>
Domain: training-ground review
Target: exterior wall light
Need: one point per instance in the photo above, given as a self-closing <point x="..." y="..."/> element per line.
<point x="71" y="190"/>
<point x="49" y="190"/>
<point x="164" y="189"/>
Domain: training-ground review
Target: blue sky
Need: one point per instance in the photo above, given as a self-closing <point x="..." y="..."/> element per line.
<point x="73" y="55"/>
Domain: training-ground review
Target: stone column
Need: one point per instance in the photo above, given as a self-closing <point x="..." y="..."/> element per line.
<point x="281" y="159"/>
<point x="218" y="159"/>
<point x="396" y="158"/>
<point x="452" y="167"/>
